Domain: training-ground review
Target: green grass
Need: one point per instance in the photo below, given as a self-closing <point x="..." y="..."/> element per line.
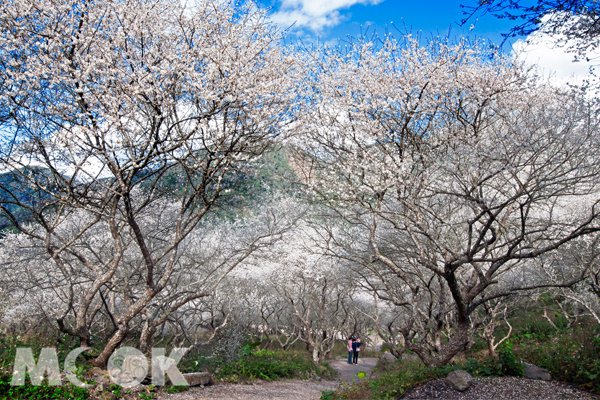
<point x="396" y="380"/>
<point x="571" y="355"/>
<point x="271" y="365"/>
<point x="176" y="389"/>
<point x="41" y="392"/>
<point x="390" y="384"/>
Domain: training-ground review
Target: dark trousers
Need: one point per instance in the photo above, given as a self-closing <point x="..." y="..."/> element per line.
<point x="350" y="355"/>
<point x="355" y="357"/>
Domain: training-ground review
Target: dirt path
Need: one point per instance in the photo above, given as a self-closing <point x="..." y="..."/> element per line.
<point x="279" y="390"/>
<point x="348" y="373"/>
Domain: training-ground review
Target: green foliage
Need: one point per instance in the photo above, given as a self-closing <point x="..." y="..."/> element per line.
<point x="64" y="344"/>
<point x="8" y="347"/>
<point x="392" y="384"/>
<point x="537" y="329"/>
<point x="244" y="187"/>
<point x="479" y="344"/>
<point x="176" y="389"/>
<point x="328" y="395"/>
<point x="247" y="349"/>
<point x="236" y="357"/>
<point x="40" y="392"/>
<point x="115" y="389"/>
<point x="509" y="363"/>
<point x="269" y="365"/>
<point x="528" y="322"/>
<point x="485" y="367"/>
<point x="356" y="391"/>
<point x="570" y="355"/>
<point x="406" y="374"/>
<point x="146" y="396"/>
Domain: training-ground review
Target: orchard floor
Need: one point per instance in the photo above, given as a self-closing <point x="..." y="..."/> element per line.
<point x="279" y="390"/>
<point x="503" y="388"/>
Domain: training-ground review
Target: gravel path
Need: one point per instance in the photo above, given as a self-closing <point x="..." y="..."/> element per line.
<point x="347" y="373"/>
<point x="504" y="388"/>
<point x="279" y="390"/>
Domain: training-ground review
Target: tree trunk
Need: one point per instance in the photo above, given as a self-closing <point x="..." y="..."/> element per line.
<point x="110" y="347"/>
<point x="492" y="349"/>
<point x="458" y="343"/>
<point x="146" y="337"/>
<point x="315" y="355"/>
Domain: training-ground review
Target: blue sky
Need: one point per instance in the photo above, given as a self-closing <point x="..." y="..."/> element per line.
<point x="334" y="20"/>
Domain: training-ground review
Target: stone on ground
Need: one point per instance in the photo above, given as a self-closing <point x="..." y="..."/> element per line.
<point x="387" y="357"/>
<point x="459" y="380"/>
<point x="386" y="361"/>
<point x="199" y="378"/>
<point x="535" y="372"/>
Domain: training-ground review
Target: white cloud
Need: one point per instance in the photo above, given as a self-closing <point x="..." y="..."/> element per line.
<point x="549" y="57"/>
<point x="314" y="14"/>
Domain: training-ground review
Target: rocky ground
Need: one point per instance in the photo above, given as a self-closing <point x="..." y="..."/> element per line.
<point x="500" y="388"/>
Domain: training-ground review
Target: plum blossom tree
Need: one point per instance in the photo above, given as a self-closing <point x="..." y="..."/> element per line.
<point x="318" y="303"/>
<point x="449" y="169"/>
<point x="261" y="312"/>
<point x="189" y="309"/>
<point x="579" y="262"/>
<point x="300" y="295"/>
<point x="115" y="111"/>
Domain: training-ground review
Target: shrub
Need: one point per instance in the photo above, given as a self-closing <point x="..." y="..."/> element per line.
<point x="40" y="392"/>
<point x="485" y="367"/>
<point x="176" y="389"/>
<point x="509" y="363"/>
<point x="570" y="356"/>
<point x="271" y="365"/>
<point x="392" y="384"/>
<point x="63" y="343"/>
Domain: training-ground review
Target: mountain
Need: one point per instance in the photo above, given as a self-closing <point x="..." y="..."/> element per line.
<point x="244" y="189"/>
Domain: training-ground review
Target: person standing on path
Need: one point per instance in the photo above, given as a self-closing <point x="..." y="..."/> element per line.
<point x="356" y="349"/>
<point x="350" y="349"/>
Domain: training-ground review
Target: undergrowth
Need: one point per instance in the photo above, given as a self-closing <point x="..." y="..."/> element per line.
<point x="570" y="354"/>
<point x="406" y="374"/>
<point x="271" y="365"/>
<point x="40" y="392"/>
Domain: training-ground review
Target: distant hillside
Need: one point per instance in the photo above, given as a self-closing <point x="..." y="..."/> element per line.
<point x="19" y="196"/>
<point x="243" y="189"/>
<point x="270" y="174"/>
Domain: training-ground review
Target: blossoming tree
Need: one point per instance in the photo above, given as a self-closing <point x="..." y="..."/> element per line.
<point x="112" y="111"/>
<point x="449" y="169"/>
